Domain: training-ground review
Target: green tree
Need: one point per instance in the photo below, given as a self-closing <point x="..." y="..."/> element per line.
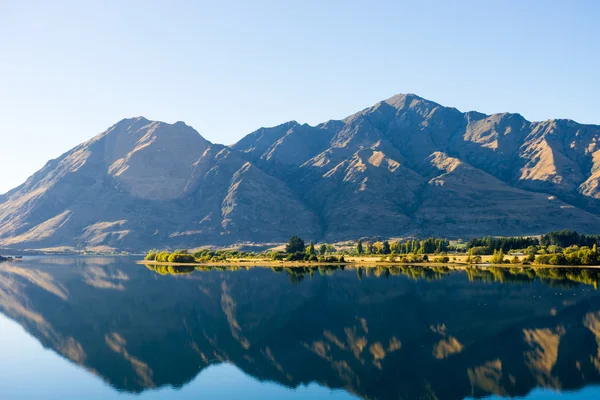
<point x="311" y="249"/>
<point x="181" y="257"/>
<point x="386" y="248"/>
<point x="359" y="247"/>
<point x="322" y="249"/>
<point x="497" y="257"/>
<point x="163" y="256"/>
<point x="370" y="248"/>
<point x="295" y="245"/>
<point x="586" y="256"/>
<point x="378" y="248"/>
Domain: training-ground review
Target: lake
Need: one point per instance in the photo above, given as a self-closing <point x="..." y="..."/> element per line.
<point x="108" y="328"/>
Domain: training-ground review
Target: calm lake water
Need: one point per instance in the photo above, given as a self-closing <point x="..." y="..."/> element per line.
<point x="107" y="328"/>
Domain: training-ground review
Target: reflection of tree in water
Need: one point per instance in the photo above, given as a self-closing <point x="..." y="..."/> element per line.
<point x="385" y="343"/>
<point x="170" y="269"/>
<point x="399" y="332"/>
<point x="554" y="277"/>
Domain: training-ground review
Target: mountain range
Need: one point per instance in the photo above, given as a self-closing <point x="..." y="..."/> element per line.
<point x="406" y="166"/>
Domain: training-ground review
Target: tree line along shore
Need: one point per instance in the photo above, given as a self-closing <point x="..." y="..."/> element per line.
<point x="566" y="247"/>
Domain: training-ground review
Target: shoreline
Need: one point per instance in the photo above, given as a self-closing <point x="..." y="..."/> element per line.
<point x="358" y="264"/>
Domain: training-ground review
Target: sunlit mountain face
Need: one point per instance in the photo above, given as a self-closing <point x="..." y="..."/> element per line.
<point x="406" y="166"/>
<point x="376" y="333"/>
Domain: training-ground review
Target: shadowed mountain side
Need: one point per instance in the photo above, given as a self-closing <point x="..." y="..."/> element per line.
<point x="256" y="200"/>
<point x="287" y="144"/>
<point x="379" y="338"/>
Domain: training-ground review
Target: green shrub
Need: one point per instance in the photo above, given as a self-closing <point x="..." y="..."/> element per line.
<point x="480" y="251"/>
<point x="163" y="256"/>
<point x="277" y="256"/>
<point x="543" y="259"/>
<point x="295" y="245"/>
<point x="181" y="258"/>
<point x="557" y="259"/>
<point x="297" y="256"/>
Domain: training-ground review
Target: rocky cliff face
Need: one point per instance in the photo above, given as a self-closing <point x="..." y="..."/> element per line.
<point x="406" y="166"/>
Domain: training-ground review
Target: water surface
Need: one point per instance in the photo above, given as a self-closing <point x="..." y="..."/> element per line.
<point x="104" y="328"/>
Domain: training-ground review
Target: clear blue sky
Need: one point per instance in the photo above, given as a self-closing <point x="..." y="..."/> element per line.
<point x="70" y="69"/>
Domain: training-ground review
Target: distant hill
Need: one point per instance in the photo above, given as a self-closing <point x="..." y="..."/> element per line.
<point x="406" y="166"/>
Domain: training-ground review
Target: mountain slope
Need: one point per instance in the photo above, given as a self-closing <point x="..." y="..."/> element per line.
<point x="467" y="199"/>
<point x="516" y="177"/>
<point x="142" y="184"/>
<point x="406" y="166"/>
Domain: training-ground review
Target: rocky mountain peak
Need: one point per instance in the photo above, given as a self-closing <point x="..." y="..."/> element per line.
<point x="405" y="166"/>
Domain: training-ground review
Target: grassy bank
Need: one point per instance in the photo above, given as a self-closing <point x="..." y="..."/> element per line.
<point x="366" y="262"/>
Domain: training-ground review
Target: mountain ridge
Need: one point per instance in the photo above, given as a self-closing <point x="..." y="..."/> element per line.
<point x="404" y="166"/>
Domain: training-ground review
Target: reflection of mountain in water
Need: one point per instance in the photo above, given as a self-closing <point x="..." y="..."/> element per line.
<point x="455" y="335"/>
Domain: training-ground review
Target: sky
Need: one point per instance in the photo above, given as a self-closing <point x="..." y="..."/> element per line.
<point x="71" y="69"/>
